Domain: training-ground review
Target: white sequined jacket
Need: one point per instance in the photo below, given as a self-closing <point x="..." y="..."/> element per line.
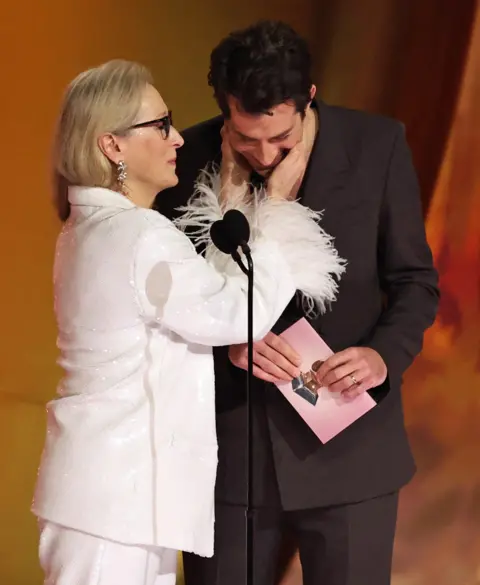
<point x="131" y="451"/>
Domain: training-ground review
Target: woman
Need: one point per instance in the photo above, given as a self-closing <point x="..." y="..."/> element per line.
<point x="128" y="470"/>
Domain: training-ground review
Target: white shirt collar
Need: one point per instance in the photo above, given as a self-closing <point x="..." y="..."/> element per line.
<point x="98" y="197"/>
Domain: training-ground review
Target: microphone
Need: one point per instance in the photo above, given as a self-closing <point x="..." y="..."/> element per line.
<point x="238" y="228"/>
<point x="230" y="233"/>
<point x="221" y="239"/>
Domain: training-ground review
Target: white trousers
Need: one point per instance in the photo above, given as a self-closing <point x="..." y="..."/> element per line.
<point x="70" y="557"/>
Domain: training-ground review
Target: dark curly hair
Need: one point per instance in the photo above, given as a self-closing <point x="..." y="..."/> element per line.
<point x="262" y="66"/>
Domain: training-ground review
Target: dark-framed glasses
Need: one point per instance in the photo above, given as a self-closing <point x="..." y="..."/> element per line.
<point x="163" y="124"/>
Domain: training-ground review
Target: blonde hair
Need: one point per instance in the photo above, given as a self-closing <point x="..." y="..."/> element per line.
<point x="104" y="99"/>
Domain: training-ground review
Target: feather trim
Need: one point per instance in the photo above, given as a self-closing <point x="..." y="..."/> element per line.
<point x="309" y="251"/>
<point x="207" y="206"/>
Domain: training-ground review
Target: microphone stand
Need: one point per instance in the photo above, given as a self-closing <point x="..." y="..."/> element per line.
<point x="249" y="512"/>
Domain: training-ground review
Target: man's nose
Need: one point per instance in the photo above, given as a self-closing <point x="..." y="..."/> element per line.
<point x="267" y="155"/>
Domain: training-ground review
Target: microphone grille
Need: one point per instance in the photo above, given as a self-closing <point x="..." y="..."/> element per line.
<point x="220" y="238"/>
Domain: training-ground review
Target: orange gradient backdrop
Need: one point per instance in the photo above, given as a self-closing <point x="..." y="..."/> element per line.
<point x="383" y="55"/>
<point x="439" y="534"/>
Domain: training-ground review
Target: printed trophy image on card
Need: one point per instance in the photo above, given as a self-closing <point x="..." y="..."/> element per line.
<point x="306" y="384"/>
<point x="326" y="413"/>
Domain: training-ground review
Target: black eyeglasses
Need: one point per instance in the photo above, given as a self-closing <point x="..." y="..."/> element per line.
<point x="163" y="124"/>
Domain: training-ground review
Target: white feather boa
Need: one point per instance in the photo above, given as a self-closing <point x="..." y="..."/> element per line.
<point x="307" y="248"/>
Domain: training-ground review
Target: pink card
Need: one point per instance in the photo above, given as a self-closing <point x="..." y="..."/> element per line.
<point x="326" y="413"/>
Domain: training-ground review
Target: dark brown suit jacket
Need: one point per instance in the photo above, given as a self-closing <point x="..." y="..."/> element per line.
<point x="361" y="175"/>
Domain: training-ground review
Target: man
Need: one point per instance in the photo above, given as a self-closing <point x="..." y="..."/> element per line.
<point x="338" y="499"/>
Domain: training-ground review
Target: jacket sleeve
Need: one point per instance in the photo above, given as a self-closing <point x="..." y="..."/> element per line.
<point x="407" y="275"/>
<point x="180" y="290"/>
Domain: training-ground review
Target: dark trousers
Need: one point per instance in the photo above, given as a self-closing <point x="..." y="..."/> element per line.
<point x="339" y="545"/>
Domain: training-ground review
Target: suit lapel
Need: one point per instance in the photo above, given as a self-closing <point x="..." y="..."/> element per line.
<point x="328" y="169"/>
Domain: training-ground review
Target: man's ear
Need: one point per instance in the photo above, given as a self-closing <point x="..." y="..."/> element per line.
<point x="313" y="92"/>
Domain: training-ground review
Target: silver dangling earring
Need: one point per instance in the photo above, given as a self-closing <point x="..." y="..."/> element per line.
<point x="122" y="175"/>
